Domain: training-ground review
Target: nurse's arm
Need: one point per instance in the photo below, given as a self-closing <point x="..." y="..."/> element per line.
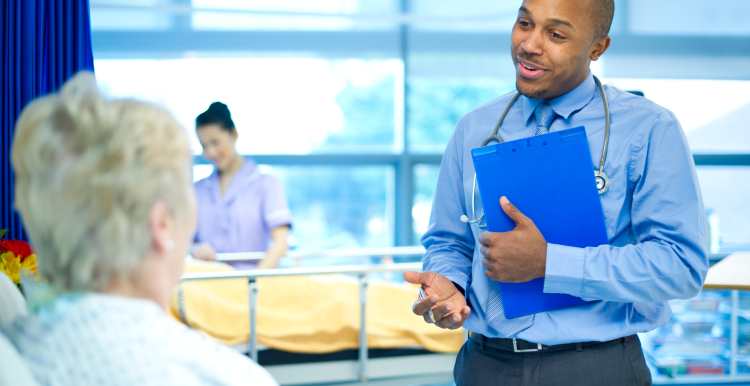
<point x="278" y="249"/>
<point x="203" y="251"/>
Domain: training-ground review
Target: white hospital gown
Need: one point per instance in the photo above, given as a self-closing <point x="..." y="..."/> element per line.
<point x="97" y="339"/>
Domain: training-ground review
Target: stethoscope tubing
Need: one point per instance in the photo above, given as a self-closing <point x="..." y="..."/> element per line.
<point x="600" y="173"/>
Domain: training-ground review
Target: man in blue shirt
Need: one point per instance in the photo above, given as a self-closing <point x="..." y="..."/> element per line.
<point x="653" y="213"/>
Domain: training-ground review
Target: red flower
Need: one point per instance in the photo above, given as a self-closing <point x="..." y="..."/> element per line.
<point x="19" y="248"/>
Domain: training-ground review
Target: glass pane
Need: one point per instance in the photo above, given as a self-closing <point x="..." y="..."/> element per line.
<point x="696" y="339"/>
<point x="743" y="349"/>
<point x="334" y="207"/>
<point x="425" y="181"/>
<point x="293" y="14"/>
<point x="689" y="17"/>
<point x="106" y="16"/>
<point x="338" y="206"/>
<point x="465" y="16"/>
<point x="435" y="106"/>
<point x="712" y="124"/>
<point x="280" y="106"/>
<point x="725" y="192"/>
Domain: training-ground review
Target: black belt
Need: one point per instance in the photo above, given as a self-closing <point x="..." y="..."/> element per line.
<point x="520" y="345"/>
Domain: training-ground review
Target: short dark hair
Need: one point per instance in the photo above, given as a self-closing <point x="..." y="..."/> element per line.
<point x="217" y="113"/>
<point x="602" y="12"/>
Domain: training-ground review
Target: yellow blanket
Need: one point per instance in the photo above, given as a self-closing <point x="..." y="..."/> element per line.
<point x="307" y="314"/>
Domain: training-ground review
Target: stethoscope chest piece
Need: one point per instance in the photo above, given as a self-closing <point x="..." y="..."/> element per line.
<point x="602" y="181"/>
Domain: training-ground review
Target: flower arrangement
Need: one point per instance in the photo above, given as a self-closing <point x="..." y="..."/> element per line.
<point x="17" y="257"/>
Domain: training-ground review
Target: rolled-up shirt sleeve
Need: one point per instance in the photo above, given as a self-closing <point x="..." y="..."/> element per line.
<point x="275" y="207"/>
<point x="448" y="240"/>
<point x="668" y="259"/>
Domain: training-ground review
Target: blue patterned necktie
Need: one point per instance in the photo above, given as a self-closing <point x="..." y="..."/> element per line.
<point x="495" y="312"/>
<point x="544" y="117"/>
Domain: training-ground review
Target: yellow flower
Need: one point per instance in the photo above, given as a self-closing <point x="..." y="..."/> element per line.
<point x="11" y="265"/>
<point x="29" y="263"/>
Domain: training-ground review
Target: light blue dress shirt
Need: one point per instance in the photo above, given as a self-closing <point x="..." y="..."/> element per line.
<point x="653" y="212"/>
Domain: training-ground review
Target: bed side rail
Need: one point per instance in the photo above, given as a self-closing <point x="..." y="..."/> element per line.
<point x="361" y="270"/>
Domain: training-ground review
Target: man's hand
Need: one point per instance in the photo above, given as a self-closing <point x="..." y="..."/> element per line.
<point x="516" y="256"/>
<point x="446" y="301"/>
<point x="203" y="251"/>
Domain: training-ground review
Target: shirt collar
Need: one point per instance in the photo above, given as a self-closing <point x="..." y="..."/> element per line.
<point x="567" y="104"/>
<point x="247" y="174"/>
<point x="248" y="168"/>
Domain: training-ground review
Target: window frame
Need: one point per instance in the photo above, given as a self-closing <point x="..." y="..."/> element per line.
<point x="399" y="42"/>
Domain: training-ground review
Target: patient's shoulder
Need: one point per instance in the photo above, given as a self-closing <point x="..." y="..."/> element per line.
<point x="108" y="340"/>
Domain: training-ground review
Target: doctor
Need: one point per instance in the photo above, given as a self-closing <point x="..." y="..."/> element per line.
<point x="239" y="209"/>
<point x="653" y="214"/>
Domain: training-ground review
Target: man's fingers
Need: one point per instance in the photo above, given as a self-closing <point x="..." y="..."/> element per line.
<point x="442" y="310"/>
<point x="421" y="307"/>
<point x="412" y="277"/>
<point x="484" y="238"/>
<point x="464" y="314"/>
<point x="512" y="212"/>
<point x="419" y="278"/>
<point x="452" y="319"/>
<point x="448" y="320"/>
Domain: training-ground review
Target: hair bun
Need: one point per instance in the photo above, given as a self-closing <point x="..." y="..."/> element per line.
<point x="218" y="107"/>
<point x="217" y="113"/>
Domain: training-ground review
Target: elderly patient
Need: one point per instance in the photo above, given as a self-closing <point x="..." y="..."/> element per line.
<point x="104" y="191"/>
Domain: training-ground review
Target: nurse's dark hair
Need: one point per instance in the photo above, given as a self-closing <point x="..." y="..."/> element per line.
<point x="217" y="113"/>
<point x="602" y="12"/>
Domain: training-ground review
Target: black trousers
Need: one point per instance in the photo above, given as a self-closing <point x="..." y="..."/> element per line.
<point x="599" y="365"/>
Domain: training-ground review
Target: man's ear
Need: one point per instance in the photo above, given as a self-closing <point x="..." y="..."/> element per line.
<point x="235" y="134"/>
<point x="598" y="48"/>
<point x="161" y="222"/>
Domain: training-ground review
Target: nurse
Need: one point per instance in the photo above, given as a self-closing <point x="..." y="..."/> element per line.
<point x="239" y="209"/>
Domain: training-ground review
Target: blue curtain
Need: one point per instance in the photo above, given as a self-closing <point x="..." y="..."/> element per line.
<point x="44" y="42"/>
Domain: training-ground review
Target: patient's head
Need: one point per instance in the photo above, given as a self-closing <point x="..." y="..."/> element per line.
<point x="104" y="191"/>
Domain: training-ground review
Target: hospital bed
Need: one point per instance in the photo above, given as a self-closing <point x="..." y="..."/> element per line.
<point x="402" y="366"/>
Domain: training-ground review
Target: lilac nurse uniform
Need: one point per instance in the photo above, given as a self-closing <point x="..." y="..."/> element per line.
<point x="241" y="220"/>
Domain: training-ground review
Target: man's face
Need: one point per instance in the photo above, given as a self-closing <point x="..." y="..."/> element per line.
<point x="551" y="46"/>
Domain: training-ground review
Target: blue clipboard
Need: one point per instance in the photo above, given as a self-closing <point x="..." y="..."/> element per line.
<point x="550" y="179"/>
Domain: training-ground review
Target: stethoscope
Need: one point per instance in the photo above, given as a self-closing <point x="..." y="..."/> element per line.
<point x="602" y="180"/>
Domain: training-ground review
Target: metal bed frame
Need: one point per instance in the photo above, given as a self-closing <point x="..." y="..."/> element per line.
<point x="401" y="370"/>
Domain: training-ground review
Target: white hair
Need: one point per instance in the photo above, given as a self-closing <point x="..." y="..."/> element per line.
<point x="88" y="171"/>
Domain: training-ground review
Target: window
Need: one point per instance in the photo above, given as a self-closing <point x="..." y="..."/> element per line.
<point x="725" y="192"/>
<point x="338" y="206"/>
<point x="279" y="105"/>
<point x="366" y="93"/>
<point x="712" y="125"/>
<point x="689" y="17"/>
<point x="292" y="15"/>
<point x="435" y="106"/>
<point x="425" y="181"/>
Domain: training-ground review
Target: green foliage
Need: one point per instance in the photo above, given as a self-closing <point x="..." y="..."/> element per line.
<point x="368" y="119"/>
<point x="435" y="106"/>
<point x="2" y="232"/>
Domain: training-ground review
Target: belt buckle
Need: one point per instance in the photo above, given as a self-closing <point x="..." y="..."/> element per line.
<point x="515" y="347"/>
